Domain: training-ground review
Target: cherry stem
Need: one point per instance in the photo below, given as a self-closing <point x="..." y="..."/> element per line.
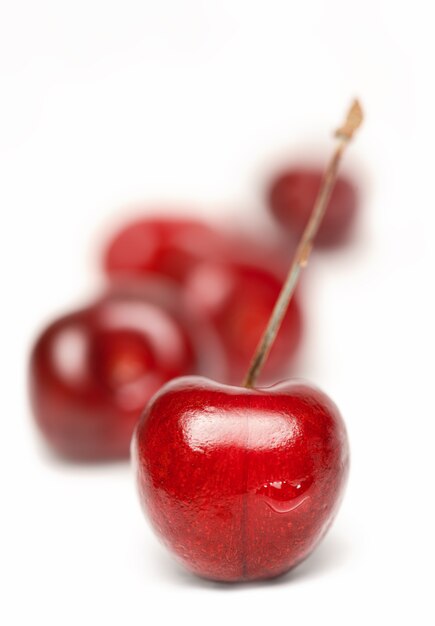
<point x="343" y="135"/>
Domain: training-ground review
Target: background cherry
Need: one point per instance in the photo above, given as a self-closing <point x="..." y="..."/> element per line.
<point x="292" y="194"/>
<point x="92" y="371"/>
<point x="170" y="246"/>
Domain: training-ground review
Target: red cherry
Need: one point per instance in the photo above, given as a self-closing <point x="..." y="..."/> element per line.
<point x="291" y="198"/>
<point x="93" y="371"/>
<point x="239" y="299"/>
<point x="167" y="246"/>
<point x="241" y="484"/>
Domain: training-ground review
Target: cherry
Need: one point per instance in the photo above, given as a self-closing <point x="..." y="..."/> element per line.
<point x="241" y="483"/>
<point x="93" y="370"/>
<point x="292" y="194"/>
<point x="168" y="246"/>
<point x="238" y="299"/>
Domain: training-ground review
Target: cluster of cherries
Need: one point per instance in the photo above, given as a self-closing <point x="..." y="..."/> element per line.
<point x="240" y="482"/>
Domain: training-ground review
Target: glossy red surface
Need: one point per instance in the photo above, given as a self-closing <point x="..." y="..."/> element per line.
<point x="240" y="484"/>
<point x="167" y="246"/>
<point x="92" y="372"/>
<point x="291" y="198"/>
<point x="239" y="300"/>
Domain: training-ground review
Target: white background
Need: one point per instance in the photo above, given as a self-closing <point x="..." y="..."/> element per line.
<point x="106" y="104"/>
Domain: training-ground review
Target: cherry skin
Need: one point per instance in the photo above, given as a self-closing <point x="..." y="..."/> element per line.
<point x="93" y="370"/>
<point x="239" y="298"/>
<point x="240" y="484"/>
<point x="292" y="195"/>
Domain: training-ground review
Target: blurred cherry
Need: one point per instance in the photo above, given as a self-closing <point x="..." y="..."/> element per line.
<point x="291" y="197"/>
<point x="239" y="299"/>
<point x="168" y="246"/>
<point x="93" y="371"/>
